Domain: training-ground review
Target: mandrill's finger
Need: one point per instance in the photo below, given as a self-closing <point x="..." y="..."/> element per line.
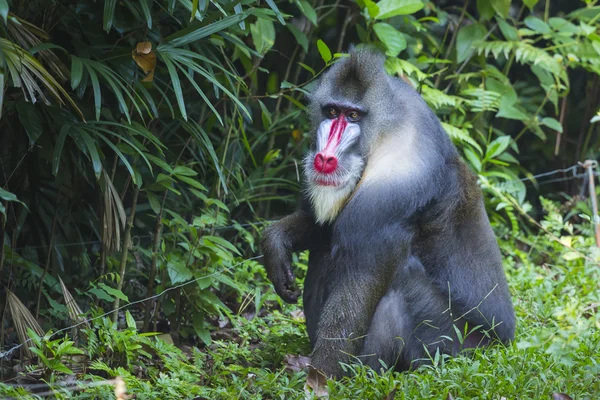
<point x="290" y="296"/>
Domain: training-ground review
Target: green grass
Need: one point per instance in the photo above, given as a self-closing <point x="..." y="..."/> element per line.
<point x="556" y="350"/>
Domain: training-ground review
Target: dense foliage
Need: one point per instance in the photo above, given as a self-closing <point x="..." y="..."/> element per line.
<point x="144" y="144"/>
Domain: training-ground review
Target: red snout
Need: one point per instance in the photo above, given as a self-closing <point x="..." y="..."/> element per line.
<point x="325" y="164"/>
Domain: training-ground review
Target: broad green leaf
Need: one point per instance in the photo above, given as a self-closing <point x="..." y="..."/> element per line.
<point x="468" y="37"/>
<point x="101" y="294"/>
<point x="391" y="37"/>
<point x="299" y="36"/>
<point x="537" y="25"/>
<point x="114" y="292"/>
<point x="391" y="8"/>
<point x="178" y="272"/>
<point x="184" y="171"/>
<point x="30" y="119"/>
<point x="324" y="51"/>
<point x="530" y="3"/>
<point x="308" y="11"/>
<point x="263" y="35"/>
<point x="200" y="329"/>
<point x="372" y="8"/>
<point x="7" y="196"/>
<point x="510" y="32"/>
<point x="473" y="159"/>
<point x="486" y="11"/>
<point x="553" y="124"/>
<point x="501" y="7"/>
<point x="497" y="147"/>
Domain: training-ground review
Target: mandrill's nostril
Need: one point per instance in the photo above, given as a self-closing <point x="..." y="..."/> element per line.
<point x="325" y="164"/>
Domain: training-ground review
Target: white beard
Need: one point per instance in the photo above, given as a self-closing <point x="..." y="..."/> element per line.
<point x="328" y="201"/>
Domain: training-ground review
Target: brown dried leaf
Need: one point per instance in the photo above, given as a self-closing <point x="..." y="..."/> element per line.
<point x="561" y="396"/>
<point x="295" y="363"/>
<point x="143" y="48"/>
<point x="391" y="395"/>
<point x="145" y="58"/>
<point x="317" y="381"/>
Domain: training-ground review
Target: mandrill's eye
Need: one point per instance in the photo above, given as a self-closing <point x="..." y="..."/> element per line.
<point x="353" y="116"/>
<point x="332" y="113"/>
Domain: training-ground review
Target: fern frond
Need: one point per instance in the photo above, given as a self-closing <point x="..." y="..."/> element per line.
<point x="438" y="99"/>
<point x="460" y="136"/>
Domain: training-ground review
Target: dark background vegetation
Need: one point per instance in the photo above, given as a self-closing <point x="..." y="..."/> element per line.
<point x="144" y="144"/>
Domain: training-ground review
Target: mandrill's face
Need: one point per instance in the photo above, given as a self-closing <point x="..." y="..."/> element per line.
<point x="334" y="167"/>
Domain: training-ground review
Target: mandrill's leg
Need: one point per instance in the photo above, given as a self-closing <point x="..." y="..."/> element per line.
<point x="413" y="316"/>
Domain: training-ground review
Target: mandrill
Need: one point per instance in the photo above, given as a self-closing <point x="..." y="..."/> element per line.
<point x="401" y="248"/>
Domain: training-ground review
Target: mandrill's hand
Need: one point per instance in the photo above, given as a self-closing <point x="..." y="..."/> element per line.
<point x="278" y="263"/>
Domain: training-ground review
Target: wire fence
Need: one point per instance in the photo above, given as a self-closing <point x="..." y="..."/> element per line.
<point x="86" y="321"/>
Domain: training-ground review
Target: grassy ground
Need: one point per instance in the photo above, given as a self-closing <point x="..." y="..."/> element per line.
<point x="557" y="349"/>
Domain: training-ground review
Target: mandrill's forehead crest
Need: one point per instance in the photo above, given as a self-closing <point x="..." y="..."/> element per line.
<point x="359" y="79"/>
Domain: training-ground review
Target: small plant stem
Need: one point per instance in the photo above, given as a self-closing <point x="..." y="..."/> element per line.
<point x="125" y="251"/>
<point x="590" y="165"/>
<point x="47" y="267"/>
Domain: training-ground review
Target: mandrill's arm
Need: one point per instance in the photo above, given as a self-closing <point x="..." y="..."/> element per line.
<point x="279" y="241"/>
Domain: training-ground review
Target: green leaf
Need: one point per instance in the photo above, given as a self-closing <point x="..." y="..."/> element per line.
<point x="509" y="32"/>
<point x="176" y="86"/>
<point x="391" y="8"/>
<point x="92" y="151"/>
<point x="200" y="329"/>
<point x="308" y="11"/>
<point x="223" y="243"/>
<point x="299" y="36"/>
<point x="486" y="11"/>
<point x="275" y="9"/>
<point x="572" y="256"/>
<point x="97" y="92"/>
<point x="7" y="196"/>
<point x="154" y="202"/>
<point x="497" y="147"/>
<point x="147" y="12"/>
<point x="324" y="51"/>
<point x="4" y="10"/>
<point x="196" y="32"/>
<point x="112" y="291"/>
<point x="30" y="119"/>
<point x="58" y="147"/>
<point x="109" y="13"/>
<point x="178" y="272"/>
<point x="537" y="25"/>
<point x="530" y="3"/>
<point x="76" y="71"/>
<point x="553" y="124"/>
<point x="501" y="7"/>
<point x="263" y="35"/>
<point x="393" y="40"/>
<point x="468" y="37"/>
<point x="101" y="294"/>
<point x="473" y="159"/>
